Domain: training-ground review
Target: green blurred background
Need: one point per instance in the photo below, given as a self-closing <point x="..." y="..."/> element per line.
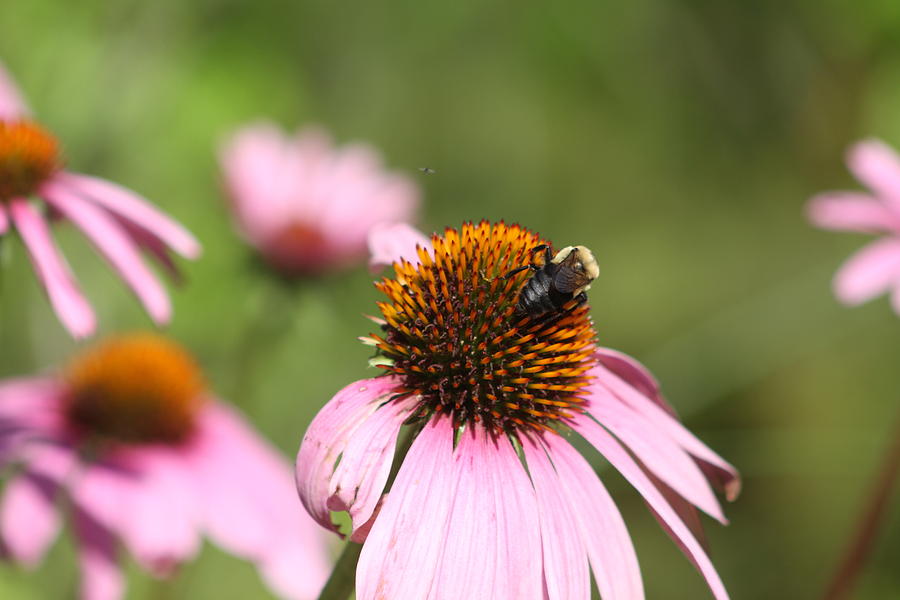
<point x="678" y="139"/>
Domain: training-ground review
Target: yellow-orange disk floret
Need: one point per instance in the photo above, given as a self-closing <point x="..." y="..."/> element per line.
<point x="455" y="339"/>
<point x="139" y="388"/>
<point x="28" y="156"/>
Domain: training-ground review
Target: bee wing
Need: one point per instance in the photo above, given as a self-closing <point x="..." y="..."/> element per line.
<point x="568" y="278"/>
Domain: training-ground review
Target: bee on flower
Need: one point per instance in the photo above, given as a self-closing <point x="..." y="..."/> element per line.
<point x="492" y="500"/>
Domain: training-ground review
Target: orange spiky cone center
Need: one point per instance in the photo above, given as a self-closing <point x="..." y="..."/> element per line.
<point x="456" y="340"/>
<point x="28" y="156"/>
<point x="139" y="388"/>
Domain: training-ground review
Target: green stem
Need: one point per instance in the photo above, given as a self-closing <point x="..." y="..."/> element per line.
<point x="342" y="581"/>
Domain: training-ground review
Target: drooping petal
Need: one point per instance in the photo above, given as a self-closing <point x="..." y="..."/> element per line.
<point x="128" y="205"/>
<point x="602" y="529"/>
<point x="12" y="104"/>
<point x="359" y="479"/>
<point x="403" y="549"/>
<point x="869" y="272"/>
<point x="519" y="572"/>
<point x="713" y="466"/>
<point x="877" y="165"/>
<point x="622" y="461"/>
<point x="327" y="437"/>
<point x="101" y="578"/>
<point x="852" y="211"/>
<point x="566" y="573"/>
<point x="161" y="528"/>
<point x="389" y="243"/>
<point x="64" y="293"/>
<point x="115" y="245"/>
<point x="654" y="448"/>
<point x="634" y="374"/>
<point x="28" y="519"/>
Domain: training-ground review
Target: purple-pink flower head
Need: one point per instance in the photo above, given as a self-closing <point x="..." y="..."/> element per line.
<point x="306" y="206"/>
<point x="117" y="221"/>
<point x="491" y="500"/>
<point x="875" y="269"/>
<point x="128" y="442"/>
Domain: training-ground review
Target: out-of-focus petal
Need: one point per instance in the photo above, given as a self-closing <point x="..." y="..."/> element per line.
<point x="28" y="519"/>
<point x="622" y="461"/>
<point x="600" y="524"/>
<point x="566" y="573"/>
<point x="297" y="569"/>
<point x="718" y="470"/>
<point x="12" y="104"/>
<point x="101" y="578"/>
<point x="64" y="293"/>
<point x="4" y="220"/>
<point x="388" y="243"/>
<point x="869" y="272"/>
<point x="403" y="550"/>
<point x="852" y="211"/>
<point x="115" y="245"/>
<point x="877" y="165"/>
<point x="328" y="435"/>
<point x="128" y="205"/>
<point x="359" y="479"/>
<point x="654" y="448"/>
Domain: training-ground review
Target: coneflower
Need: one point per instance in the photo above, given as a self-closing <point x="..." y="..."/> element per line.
<point x="491" y="500"/>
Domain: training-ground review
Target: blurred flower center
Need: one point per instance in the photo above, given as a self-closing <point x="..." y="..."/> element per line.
<point x="28" y="156"/>
<point x="297" y="248"/>
<point x="139" y="388"/>
<point x="455" y="338"/>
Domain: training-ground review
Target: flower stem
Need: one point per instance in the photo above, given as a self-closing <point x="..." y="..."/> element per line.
<point x="342" y="581"/>
<point x="860" y="546"/>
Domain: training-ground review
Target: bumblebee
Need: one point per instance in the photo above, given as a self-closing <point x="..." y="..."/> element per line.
<point x="560" y="278"/>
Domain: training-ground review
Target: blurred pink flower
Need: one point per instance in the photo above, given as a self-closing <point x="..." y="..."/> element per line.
<point x="492" y="500"/>
<point x="129" y="444"/>
<point x="305" y="206"/>
<point x="118" y="222"/>
<point x="876" y="268"/>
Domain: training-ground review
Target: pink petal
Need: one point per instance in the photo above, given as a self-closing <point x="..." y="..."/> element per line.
<point x="128" y="205"/>
<point x="112" y="241"/>
<point x="250" y="507"/>
<point x="851" y="211"/>
<point x="634" y="374"/>
<point x="599" y="522"/>
<point x="713" y="466"/>
<point x="28" y="519"/>
<point x="662" y="455"/>
<point x="359" y="479"/>
<point x="877" y="165"/>
<point x="65" y="296"/>
<point x="518" y="524"/>
<point x="327" y="437"/>
<point x="101" y="578"/>
<point x="4" y="220"/>
<point x="869" y="272"/>
<point x="620" y="460"/>
<point x="566" y="573"/>
<point x="401" y="555"/>
<point x="388" y="243"/>
<point x="161" y="528"/>
<point x="12" y="105"/>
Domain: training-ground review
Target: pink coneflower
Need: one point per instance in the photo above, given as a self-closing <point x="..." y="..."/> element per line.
<point x="117" y="221"/>
<point x="129" y="444"/>
<point x="876" y="268"/>
<point x="305" y="206"/>
<point x="492" y="500"/>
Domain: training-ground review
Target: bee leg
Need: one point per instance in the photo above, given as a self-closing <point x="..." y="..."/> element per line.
<point x="519" y="270"/>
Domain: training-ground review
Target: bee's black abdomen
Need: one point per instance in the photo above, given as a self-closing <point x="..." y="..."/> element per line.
<point x="538" y="296"/>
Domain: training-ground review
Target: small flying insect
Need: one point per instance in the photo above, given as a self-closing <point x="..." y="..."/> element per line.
<point x="427" y="170"/>
<point x="561" y="278"/>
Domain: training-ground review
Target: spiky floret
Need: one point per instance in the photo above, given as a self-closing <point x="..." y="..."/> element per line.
<point x="28" y="156"/>
<point x="453" y="336"/>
